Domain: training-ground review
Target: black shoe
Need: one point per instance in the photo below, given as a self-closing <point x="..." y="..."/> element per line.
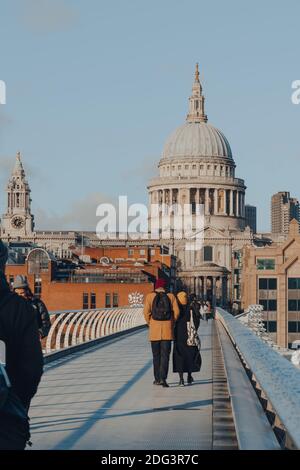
<point x="181" y="383"/>
<point x="157" y="382"/>
<point x="190" y="380"/>
<point x="164" y="384"/>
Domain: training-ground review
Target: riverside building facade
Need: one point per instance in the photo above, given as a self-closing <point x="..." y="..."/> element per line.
<point x="271" y="277"/>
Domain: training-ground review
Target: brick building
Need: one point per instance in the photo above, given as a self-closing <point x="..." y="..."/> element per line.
<point x="95" y="278"/>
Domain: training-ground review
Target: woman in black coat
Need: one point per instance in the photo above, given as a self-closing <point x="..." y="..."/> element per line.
<point x="185" y="358"/>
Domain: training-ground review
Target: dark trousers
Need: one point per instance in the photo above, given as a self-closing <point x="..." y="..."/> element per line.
<point x="161" y="356"/>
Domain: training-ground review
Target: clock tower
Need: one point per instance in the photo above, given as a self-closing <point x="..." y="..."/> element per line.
<point x="18" y="221"/>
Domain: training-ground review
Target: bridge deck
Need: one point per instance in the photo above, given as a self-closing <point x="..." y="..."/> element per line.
<point x="103" y="398"/>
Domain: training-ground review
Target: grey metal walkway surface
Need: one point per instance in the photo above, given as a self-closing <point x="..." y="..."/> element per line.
<point x="104" y="399"/>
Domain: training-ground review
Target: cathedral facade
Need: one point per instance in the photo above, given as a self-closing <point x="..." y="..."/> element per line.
<point x="197" y="168"/>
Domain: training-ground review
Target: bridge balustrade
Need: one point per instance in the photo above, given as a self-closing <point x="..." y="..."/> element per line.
<point x="276" y="379"/>
<point x="70" y="328"/>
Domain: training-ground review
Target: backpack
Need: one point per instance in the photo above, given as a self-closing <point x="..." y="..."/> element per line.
<point x="14" y="420"/>
<point x="161" y="307"/>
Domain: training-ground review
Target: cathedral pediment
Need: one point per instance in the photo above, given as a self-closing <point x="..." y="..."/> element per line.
<point x="213" y="232"/>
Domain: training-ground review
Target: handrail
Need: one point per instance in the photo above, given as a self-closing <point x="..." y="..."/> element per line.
<point x="72" y="327"/>
<point x="278" y="379"/>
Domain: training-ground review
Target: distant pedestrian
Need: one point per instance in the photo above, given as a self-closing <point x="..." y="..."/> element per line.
<point x="202" y="310"/>
<point x="21" y="287"/>
<point x="205" y="311"/>
<point x="208" y="310"/>
<point x="161" y="312"/>
<point x="194" y="303"/>
<point x="186" y="353"/>
<point x="21" y="368"/>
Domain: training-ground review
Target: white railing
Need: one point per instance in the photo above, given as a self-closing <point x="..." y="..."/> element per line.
<point x="253" y="317"/>
<point x="70" y="328"/>
<point x="275" y="378"/>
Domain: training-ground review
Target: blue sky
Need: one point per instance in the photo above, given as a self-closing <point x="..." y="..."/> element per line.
<point x="94" y="88"/>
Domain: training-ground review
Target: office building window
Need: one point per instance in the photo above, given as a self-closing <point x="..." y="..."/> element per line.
<point x="270" y="326"/>
<point x="294" y="326"/>
<point x="270" y="305"/>
<point x="267" y="283"/>
<point x="107" y="301"/>
<point x="294" y="283"/>
<point x="115" y="299"/>
<point x="294" y="305"/>
<point x="93" y="300"/>
<point x="85" y="301"/>
<point x="265" y="264"/>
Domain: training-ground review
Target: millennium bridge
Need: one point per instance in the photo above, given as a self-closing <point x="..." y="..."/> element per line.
<point x="97" y="392"/>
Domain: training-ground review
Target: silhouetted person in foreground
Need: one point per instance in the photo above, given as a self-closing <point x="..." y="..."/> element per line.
<point x="24" y="362"/>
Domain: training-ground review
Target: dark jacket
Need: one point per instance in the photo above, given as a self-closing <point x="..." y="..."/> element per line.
<point x="19" y="331"/>
<point x="186" y="358"/>
<point x="43" y="317"/>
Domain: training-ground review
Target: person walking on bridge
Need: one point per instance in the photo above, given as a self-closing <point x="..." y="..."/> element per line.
<point x="186" y="352"/>
<point x="21" y="363"/>
<point x="161" y="311"/>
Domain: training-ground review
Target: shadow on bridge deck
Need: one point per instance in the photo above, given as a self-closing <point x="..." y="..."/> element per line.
<point x="104" y="399"/>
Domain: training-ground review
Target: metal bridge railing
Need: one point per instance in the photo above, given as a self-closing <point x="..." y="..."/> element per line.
<point x="70" y="328"/>
<point x="276" y="380"/>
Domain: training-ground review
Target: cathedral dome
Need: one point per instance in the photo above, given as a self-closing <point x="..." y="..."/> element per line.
<point x="197" y="139"/>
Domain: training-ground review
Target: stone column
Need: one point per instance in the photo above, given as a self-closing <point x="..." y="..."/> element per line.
<point x="231" y="202"/>
<point x="199" y="286"/>
<point x="206" y="201"/>
<point x="214" y="292"/>
<point x="238" y="203"/>
<point x="243" y="204"/>
<point x="216" y="202"/>
<point x="204" y="287"/>
<point x="225" y="202"/>
<point x="224" y="291"/>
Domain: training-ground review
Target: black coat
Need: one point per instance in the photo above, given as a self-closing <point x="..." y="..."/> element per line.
<point x="186" y="358"/>
<point x="19" y="331"/>
<point x="43" y="317"/>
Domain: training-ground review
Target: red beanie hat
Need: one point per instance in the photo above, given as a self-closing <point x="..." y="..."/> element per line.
<point x="160" y="283"/>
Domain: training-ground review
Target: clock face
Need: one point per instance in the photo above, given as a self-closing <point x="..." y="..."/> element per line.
<point x="18" y="222"/>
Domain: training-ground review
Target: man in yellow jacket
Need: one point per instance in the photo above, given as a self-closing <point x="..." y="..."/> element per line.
<point x="161" y="331"/>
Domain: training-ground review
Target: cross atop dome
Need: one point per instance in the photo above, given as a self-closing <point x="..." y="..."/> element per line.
<point x="196" y="101"/>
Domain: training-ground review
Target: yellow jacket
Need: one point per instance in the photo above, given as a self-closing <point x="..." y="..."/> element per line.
<point x="160" y="330"/>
